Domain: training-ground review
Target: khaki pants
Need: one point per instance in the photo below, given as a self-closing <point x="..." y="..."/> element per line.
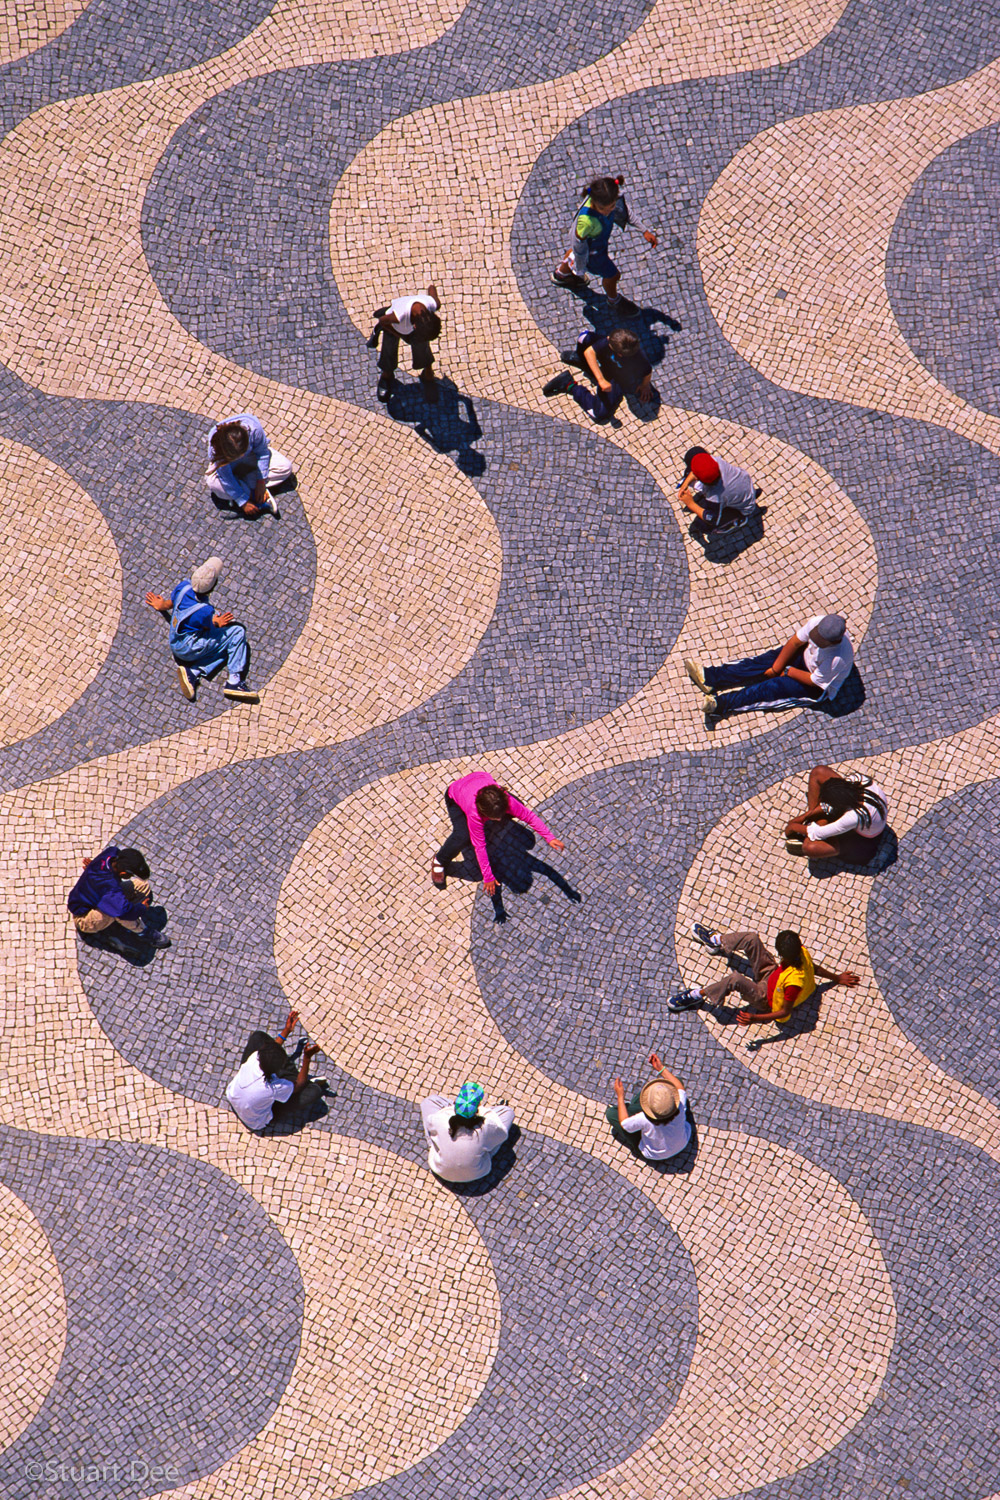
<point x="97" y="921"/>
<point x="754" y="991"/>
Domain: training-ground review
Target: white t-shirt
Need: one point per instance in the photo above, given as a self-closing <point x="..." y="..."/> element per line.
<point x="253" y="1096"/>
<point x="470" y="1155"/>
<point x="850" y="820"/>
<point x="402" y="310"/>
<point x="735" y="489"/>
<point x="828" y="666"/>
<point x="660" y="1142"/>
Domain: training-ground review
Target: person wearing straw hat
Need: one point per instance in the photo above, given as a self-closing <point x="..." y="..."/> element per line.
<point x="461" y="1141"/>
<point x="655" y="1122"/>
<point x="203" y="641"/>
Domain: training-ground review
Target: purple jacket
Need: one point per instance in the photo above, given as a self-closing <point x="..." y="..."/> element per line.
<point x="99" y="888"/>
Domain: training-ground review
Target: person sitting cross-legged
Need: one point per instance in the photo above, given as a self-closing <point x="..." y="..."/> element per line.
<point x="655" y="1121"/>
<point x="114" y="888"/>
<point x="809" y="668"/>
<point x="203" y="641"/>
<point x="268" y="1080"/>
<point x="462" y="1142"/>
<point x="778" y="985"/>
<point x="243" y="468"/>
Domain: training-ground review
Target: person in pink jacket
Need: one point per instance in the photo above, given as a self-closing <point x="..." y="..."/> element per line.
<point x="473" y="802"/>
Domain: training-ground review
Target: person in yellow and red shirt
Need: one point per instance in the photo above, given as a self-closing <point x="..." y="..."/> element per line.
<point x="778" y="984"/>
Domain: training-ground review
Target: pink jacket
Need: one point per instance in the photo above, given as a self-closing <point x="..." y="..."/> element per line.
<point x="464" y="793"/>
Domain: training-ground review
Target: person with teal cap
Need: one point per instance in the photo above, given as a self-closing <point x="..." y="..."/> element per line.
<point x="461" y="1141"/>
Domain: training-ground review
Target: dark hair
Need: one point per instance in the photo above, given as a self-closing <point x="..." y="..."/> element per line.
<point x="228" y="442"/>
<point x="841" y="796"/>
<point x="463" y="1122"/>
<point x="427" y="324"/>
<point x="789" y="946"/>
<point x="623" y="341"/>
<point x="131" y="862"/>
<point x="493" y="802"/>
<point x="603" y="189"/>
<point x="272" y="1058"/>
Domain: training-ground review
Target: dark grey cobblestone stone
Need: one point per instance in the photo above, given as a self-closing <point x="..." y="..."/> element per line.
<point x="934" y="932"/>
<point x="184" y="1306"/>
<point x="942" y="273"/>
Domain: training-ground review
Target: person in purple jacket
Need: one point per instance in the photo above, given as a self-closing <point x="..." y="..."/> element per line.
<point x="473" y="802"/>
<point x="114" y="887"/>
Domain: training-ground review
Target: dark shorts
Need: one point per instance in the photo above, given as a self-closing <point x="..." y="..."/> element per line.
<point x="599" y="263"/>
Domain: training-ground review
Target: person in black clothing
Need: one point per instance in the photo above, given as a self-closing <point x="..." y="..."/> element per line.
<point x="618" y="366"/>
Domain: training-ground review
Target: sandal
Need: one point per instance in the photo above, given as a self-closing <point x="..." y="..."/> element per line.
<point x="437" y="873"/>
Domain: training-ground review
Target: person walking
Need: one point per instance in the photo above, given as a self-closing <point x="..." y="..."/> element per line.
<point x="618" y="367"/>
<point x="203" y="641"/>
<point x="415" y="321"/>
<point x="473" y="803"/>
<point x="268" y="1080"/>
<point x="655" y="1121"/>
<point x="845" y="818"/>
<point x="114" y="888"/>
<point x="462" y="1142"/>
<point x="603" y="208"/>
<point x="722" y="496"/>
<point x="809" y="668"/>
<point x="778" y="986"/>
<point x="243" y="468"/>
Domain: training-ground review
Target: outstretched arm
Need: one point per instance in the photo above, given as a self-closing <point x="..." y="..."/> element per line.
<point x="159" y="603"/>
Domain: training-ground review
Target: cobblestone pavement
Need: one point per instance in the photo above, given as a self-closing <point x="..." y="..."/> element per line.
<point x="201" y="206"/>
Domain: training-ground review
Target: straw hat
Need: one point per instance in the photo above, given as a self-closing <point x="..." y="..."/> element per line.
<point x="659" y="1101"/>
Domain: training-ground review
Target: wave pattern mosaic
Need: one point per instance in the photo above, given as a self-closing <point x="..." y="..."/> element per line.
<point x="201" y="210"/>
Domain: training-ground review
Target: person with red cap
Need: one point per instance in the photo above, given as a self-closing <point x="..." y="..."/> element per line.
<point x="722" y="496"/>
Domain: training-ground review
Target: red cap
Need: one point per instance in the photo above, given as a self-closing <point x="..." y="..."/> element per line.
<point x="704" y="467"/>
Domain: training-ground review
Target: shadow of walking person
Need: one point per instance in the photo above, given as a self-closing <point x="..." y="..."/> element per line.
<point x="450" y="424"/>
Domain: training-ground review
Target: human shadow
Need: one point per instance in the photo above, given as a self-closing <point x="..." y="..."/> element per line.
<point x="848" y="700"/>
<point x="727" y="547"/>
<point x="450" y="424"/>
<point x="504" y="1161"/>
<point x="885" y="855"/>
<point x="803" y="1020"/>
<point x="646" y="324"/>
<point x="130" y="946"/>
<point x="513" y="865"/>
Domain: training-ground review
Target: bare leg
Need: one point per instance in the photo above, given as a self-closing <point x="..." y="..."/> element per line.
<point x="610" y="285"/>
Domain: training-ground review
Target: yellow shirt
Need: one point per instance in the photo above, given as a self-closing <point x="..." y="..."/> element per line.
<point x="804" y="977"/>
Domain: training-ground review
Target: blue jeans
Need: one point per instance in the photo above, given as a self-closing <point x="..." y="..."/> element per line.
<point x="756" y="690"/>
<point x="226" y="646"/>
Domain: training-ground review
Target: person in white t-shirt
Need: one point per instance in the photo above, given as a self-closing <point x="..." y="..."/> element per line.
<point x="655" y="1122"/>
<point x="812" y="666"/>
<point x="462" y="1142"/>
<point x="845" y="817"/>
<point x="267" y="1078"/>
<point x="415" y="321"/>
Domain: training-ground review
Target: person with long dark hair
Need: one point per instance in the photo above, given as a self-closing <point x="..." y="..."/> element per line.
<point x="461" y="1141"/>
<point x="779" y="985"/>
<point x="603" y="208"/>
<point x="243" y="468"/>
<point x="268" y="1079"/>
<point x="844" y="819"/>
<point x="473" y="802"/>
